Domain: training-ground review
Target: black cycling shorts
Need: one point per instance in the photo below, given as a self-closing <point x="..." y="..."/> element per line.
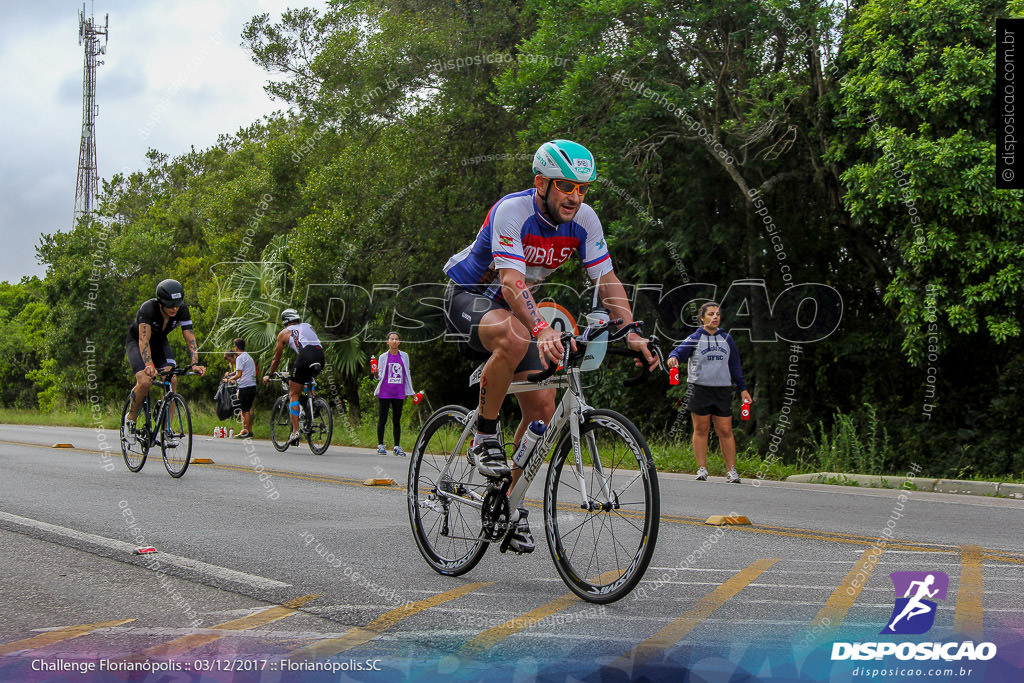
<point x="244" y="398"/>
<point x="711" y="401"/>
<point x="135" y="357"/>
<point x="463" y="313"/>
<point x="308" y="364"/>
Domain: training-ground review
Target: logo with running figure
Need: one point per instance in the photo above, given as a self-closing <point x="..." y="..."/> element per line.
<point x="916" y="592"/>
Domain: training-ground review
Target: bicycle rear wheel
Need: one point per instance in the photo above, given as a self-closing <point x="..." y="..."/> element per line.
<point x="321" y="426"/>
<point x="280" y="424"/>
<point x="177" y="429"/>
<point x="446" y="529"/>
<point x="601" y="546"/>
<point x="133" y="449"/>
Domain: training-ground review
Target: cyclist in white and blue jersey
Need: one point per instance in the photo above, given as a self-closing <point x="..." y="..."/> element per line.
<point x="526" y="236"/>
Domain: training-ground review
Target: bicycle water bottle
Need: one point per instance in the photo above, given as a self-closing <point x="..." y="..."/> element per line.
<point x="745" y="411"/>
<point x="529" y="443"/>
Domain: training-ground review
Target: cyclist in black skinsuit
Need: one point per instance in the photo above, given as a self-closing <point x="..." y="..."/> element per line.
<point x="147" y="343"/>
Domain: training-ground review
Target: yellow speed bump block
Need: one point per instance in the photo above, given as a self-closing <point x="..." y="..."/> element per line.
<point x="378" y="482"/>
<point x="722" y="520"/>
<point x="202" y="461"/>
<point x="62" y="445"/>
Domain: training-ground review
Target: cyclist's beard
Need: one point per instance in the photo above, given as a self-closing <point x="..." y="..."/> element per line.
<point x="551" y="209"/>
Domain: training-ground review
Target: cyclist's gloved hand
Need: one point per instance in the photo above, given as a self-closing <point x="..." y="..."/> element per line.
<point x="266" y="379"/>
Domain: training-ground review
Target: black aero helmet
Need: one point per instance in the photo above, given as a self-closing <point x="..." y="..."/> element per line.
<point x="289" y="316"/>
<point x="170" y="293"/>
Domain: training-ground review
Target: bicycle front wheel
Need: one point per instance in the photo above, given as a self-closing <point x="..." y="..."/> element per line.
<point x="176" y="439"/>
<point x="602" y="514"/>
<point x="321" y="426"/>
<point x="447" y="529"/>
<point x="133" y="449"/>
<point x="280" y="424"/>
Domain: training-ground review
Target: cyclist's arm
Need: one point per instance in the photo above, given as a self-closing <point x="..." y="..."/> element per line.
<point x="145" y="332"/>
<point x="520" y="300"/>
<point x="613" y="296"/>
<point x="282" y="336"/>
<point x="525" y="309"/>
<point x="193" y="351"/>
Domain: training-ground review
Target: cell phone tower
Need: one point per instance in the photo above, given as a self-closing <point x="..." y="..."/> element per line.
<point x="87" y="186"/>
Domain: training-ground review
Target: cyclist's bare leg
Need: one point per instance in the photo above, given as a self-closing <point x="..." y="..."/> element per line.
<point x="701" y="428"/>
<point x="726" y="441"/>
<point x="294" y="396"/>
<point x="139" y="392"/>
<point x="508" y="340"/>
<point x="535" y="405"/>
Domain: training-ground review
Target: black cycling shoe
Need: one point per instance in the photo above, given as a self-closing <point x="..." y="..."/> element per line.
<point x="490" y="459"/>
<point x="522" y="538"/>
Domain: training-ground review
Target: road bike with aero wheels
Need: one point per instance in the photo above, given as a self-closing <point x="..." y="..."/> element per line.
<point x="168" y="423"/>
<point x="601" y="499"/>
<point x="316" y="422"/>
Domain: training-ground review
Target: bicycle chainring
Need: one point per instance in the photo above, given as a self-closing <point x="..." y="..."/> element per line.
<point x="494" y="513"/>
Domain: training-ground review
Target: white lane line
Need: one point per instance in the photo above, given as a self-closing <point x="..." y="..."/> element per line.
<point x="210" y="570"/>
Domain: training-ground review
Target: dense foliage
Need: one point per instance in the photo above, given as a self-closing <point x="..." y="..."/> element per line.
<point x="746" y="150"/>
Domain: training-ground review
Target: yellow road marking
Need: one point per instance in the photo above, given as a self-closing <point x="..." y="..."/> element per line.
<point x="681" y="627"/>
<point x="59" y="635"/>
<point x="487" y="639"/>
<point x="846" y="593"/>
<point x="969" y="617"/>
<point x="185" y="643"/>
<point x="360" y="635"/>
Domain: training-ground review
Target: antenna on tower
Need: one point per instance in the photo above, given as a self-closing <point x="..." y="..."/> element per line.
<point x="87" y="186"/>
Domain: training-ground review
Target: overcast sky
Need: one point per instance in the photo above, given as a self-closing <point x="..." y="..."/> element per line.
<point x="151" y="46"/>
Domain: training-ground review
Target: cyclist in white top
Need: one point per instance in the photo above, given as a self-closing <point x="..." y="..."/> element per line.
<point x="525" y="237"/>
<point x="310" y="361"/>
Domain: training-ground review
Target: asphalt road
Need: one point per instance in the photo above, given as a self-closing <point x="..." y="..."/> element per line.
<point x="268" y="559"/>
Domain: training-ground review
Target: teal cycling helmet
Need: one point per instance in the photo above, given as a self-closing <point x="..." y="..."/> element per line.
<point x="565" y="159"/>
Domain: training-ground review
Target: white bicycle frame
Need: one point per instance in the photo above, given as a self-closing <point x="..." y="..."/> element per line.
<point x="570" y="408"/>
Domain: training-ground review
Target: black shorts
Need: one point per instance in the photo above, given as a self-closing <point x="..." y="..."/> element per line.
<point x="161" y="355"/>
<point x="463" y="313"/>
<point x="711" y="401"/>
<point x="244" y="398"/>
<point x="308" y="365"/>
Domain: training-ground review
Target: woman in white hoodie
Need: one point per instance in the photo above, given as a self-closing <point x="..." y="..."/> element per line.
<point x="394" y="384"/>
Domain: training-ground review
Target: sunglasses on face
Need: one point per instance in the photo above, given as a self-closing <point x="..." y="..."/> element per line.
<point x="568" y="187"/>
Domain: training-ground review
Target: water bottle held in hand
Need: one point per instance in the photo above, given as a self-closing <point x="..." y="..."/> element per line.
<point x="745" y="411"/>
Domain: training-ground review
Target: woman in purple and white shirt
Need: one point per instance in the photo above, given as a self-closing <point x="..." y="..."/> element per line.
<point x="394" y="384"/>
